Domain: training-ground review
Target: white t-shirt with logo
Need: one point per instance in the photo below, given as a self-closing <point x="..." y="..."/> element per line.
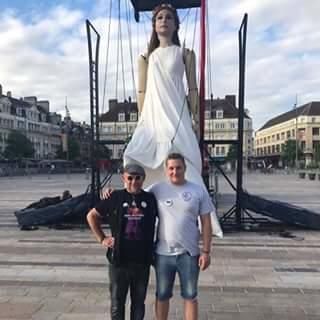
<point x="179" y="208"/>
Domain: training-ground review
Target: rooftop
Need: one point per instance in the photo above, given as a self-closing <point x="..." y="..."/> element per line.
<point x="310" y="109"/>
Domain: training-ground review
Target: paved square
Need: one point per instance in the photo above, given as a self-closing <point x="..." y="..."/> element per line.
<point x="62" y="274"/>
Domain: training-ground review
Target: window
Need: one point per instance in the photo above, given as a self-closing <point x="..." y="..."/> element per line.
<point x="223" y="150"/>
<point x="207" y="114"/>
<point x="21" y="125"/>
<point x="315" y="131"/>
<point x="131" y="128"/>
<point x="109" y="129"/>
<point x="121" y="117"/>
<point x="219" y="114"/>
<point x="278" y="136"/>
<point x="120" y="153"/>
<point x="288" y="134"/>
<point x="293" y="133"/>
<point x="315" y="145"/>
<point x="217" y="151"/>
<point x="121" y="129"/>
<point x="283" y="135"/>
<point x="133" y="116"/>
<point x="301" y="133"/>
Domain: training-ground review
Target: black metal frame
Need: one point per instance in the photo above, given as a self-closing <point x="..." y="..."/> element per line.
<point x="237" y="208"/>
<point x="94" y="109"/>
<point x="148" y="5"/>
<point x="94" y="113"/>
<point x="242" y="36"/>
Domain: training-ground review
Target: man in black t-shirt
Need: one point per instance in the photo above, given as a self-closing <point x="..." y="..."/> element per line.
<point x="131" y="213"/>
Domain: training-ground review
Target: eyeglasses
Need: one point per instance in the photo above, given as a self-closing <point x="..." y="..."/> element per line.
<point x="136" y="178"/>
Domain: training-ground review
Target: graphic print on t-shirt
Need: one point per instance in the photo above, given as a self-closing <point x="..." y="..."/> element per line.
<point x="133" y="228"/>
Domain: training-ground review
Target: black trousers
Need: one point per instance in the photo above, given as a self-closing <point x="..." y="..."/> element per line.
<point x="135" y="278"/>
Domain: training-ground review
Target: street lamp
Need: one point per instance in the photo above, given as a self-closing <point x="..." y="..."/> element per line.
<point x="297" y="141"/>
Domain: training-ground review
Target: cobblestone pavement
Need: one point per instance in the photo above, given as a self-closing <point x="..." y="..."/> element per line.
<point x="62" y="274"/>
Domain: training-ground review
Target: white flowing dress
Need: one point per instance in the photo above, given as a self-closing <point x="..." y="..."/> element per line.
<point x="165" y="124"/>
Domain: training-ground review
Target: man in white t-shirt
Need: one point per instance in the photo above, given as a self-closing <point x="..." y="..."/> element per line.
<point x="180" y="204"/>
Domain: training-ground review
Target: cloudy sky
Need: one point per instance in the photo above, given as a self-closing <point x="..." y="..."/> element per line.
<point x="43" y="51"/>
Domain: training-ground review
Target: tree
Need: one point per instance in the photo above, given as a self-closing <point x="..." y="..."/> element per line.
<point x="73" y="150"/>
<point x="317" y="153"/>
<point x="289" y="152"/>
<point x="18" y="146"/>
<point x="232" y="153"/>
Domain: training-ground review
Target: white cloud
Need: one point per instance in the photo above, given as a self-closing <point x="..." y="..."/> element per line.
<point x="45" y="53"/>
<point x="282" y="54"/>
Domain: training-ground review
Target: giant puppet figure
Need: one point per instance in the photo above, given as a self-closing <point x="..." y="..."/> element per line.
<point x="167" y="114"/>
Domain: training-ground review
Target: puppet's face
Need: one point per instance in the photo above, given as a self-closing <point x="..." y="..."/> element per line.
<point x="165" y="24"/>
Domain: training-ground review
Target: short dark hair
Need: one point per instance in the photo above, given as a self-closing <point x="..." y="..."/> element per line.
<point x="175" y="156"/>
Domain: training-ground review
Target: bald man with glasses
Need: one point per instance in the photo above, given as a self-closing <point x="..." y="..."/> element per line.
<point x="131" y="213"/>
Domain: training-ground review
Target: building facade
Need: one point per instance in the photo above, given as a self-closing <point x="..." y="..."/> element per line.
<point x="221" y="123"/>
<point x="118" y="125"/>
<point x="301" y="124"/>
<point x="32" y="118"/>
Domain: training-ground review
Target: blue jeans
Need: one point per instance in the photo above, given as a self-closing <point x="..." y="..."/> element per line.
<point x="188" y="270"/>
<point x="136" y="278"/>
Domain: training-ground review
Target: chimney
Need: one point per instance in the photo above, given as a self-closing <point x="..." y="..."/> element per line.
<point x="231" y="99"/>
<point x="113" y="103"/>
<point x="44" y="104"/>
<point x="32" y="100"/>
<point x="9" y="94"/>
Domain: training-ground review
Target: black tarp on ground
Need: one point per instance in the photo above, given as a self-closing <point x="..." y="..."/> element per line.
<point x="72" y="210"/>
<point x="281" y="211"/>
